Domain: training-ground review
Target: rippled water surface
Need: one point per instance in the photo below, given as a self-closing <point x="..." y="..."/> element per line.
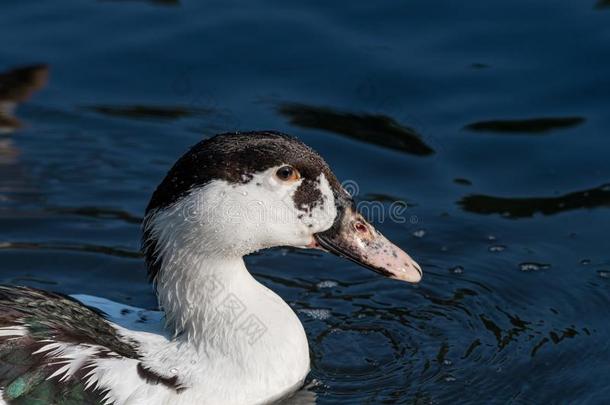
<point x="489" y="119"/>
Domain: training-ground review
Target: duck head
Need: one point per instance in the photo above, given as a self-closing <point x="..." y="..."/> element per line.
<point x="234" y="194"/>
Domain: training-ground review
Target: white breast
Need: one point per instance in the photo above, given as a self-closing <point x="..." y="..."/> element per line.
<point x="257" y="366"/>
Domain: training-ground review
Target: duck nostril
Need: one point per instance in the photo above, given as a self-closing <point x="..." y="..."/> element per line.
<point x="419" y="270"/>
<point x="360" y="227"/>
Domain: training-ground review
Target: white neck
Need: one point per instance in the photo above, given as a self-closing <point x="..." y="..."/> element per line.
<point x="237" y="331"/>
<point x="241" y="331"/>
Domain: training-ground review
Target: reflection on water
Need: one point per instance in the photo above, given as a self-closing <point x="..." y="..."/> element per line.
<point x="171" y="3"/>
<point x="16" y="86"/>
<point x="462" y="182"/>
<point x="385" y="198"/>
<point x="602" y="4"/>
<point x="9" y="154"/>
<point x="378" y="130"/>
<point x="150" y="112"/>
<point x="97" y="212"/>
<point x="105" y="250"/>
<point x="527" y="207"/>
<point x="527" y="126"/>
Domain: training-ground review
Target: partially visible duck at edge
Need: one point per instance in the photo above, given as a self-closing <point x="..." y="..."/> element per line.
<point x="221" y="337"/>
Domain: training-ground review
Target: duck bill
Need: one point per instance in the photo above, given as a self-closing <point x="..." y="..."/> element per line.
<point x="355" y="239"/>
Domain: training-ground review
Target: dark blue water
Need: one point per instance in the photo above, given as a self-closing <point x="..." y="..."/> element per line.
<point x="490" y="119"/>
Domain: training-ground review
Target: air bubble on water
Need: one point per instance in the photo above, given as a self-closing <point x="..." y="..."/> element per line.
<point x="603" y="273"/>
<point x="419" y="233"/>
<point x="491" y="237"/>
<point x="244" y="193"/>
<point x="584" y="262"/>
<point x="316" y="313"/>
<point x="527" y="267"/>
<point x="327" y="284"/>
<point x="173" y="370"/>
<point x="447" y="362"/>
<point x="497" y="248"/>
<point x="457" y="270"/>
<point x="450" y="378"/>
<point x="317" y="383"/>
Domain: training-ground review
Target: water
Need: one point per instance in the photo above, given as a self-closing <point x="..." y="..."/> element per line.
<point x="489" y="120"/>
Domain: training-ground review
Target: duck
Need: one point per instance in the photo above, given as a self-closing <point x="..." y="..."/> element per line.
<point x="220" y="336"/>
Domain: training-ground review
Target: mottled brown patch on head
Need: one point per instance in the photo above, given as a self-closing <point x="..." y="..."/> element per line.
<point x="308" y="195"/>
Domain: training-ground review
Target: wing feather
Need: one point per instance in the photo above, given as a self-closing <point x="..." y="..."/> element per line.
<point x="48" y="344"/>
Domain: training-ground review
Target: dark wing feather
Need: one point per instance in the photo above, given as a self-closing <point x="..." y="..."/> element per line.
<point x="47" y="318"/>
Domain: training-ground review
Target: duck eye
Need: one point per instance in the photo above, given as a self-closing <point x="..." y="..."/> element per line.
<point x="287" y="173"/>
